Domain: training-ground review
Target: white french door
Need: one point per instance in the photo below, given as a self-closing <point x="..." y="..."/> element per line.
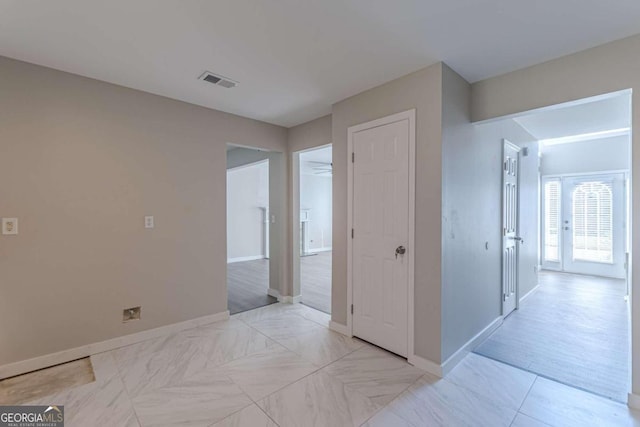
<point x="584" y="224"/>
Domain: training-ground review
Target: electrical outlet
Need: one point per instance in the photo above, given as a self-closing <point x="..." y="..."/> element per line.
<point x="148" y="222"/>
<point x="9" y="226"/>
<point x="132" y="313"/>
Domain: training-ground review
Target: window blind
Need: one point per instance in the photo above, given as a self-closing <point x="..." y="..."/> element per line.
<point x="552" y="220"/>
<point x="593" y="221"/>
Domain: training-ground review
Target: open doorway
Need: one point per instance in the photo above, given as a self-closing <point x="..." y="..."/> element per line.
<point x="248" y="229"/>
<point x="316" y="218"/>
<point x="572" y="325"/>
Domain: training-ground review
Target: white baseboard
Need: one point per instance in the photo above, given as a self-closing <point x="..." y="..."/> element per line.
<point x="325" y="249"/>
<point x="245" y="258"/>
<point x="339" y="328"/>
<point x="286" y="299"/>
<point x="468" y="347"/>
<point x="528" y="294"/>
<point x="17" y="368"/>
<point x="426" y="365"/>
<point x="633" y="401"/>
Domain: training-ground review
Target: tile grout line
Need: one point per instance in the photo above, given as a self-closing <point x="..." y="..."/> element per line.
<point x="391" y="401"/>
<point x="524" y="400"/>
<point x="124" y="387"/>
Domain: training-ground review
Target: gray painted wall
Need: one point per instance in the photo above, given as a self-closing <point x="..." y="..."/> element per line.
<point x="604" y="69"/>
<point x="471" y="215"/>
<point x="589" y="156"/>
<point x="422" y="91"/>
<point x="81" y="163"/>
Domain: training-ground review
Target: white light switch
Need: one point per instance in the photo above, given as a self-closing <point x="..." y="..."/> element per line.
<point x="148" y="222"/>
<point x="9" y="226"/>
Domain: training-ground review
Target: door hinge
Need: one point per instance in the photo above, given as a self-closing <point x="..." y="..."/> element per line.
<point x="351" y="308"/>
<point x="504" y="297"/>
<point x="353" y="157"/>
<point x="352" y="233"/>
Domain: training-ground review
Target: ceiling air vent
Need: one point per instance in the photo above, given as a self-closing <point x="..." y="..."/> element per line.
<point x="215" y="79"/>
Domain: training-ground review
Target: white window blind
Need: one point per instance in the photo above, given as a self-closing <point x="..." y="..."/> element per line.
<point x="593" y="221"/>
<point x="552" y="220"/>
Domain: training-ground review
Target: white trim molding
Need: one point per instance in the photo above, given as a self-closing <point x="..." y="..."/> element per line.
<point x="528" y="294"/>
<point x="633" y="401"/>
<point x="448" y="365"/>
<point x="40" y="362"/>
<point x="409" y="115"/>
<point x="245" y="258"/>
<point x="287" y="299"/>
<point x="426" y="365"/>
<point x="339" y="328"/>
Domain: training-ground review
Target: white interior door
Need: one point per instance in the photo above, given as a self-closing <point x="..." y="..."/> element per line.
<point x="381" y="235"/>
<point x="593" y="225"/>
<point x="510" y="238"/>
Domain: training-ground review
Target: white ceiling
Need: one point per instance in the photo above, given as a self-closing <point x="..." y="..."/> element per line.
<point x="598" y="116"/>
<point x="295" y="58"/>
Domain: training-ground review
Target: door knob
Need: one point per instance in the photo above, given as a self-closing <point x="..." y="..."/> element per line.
<point x="400" y="250"/>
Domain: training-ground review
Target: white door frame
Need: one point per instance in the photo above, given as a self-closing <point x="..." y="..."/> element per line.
<point x="409" y="115"/>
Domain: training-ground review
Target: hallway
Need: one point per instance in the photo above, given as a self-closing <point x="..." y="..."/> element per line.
<point x="573" y="329"/>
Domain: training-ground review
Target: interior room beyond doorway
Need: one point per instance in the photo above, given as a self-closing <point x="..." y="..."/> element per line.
<point x="573" y="326"/>
<point x="316" y="227"/>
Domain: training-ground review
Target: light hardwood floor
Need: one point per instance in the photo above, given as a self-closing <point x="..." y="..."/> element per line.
<point x="281" y="366"/>
<point x="315" y="281"/>
<point x="573" y="329"/>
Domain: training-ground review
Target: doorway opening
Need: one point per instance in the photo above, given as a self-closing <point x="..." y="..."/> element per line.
<point x="570" y="321"/>
<point x="316" y="222"/>
<point x="248" y="229"/>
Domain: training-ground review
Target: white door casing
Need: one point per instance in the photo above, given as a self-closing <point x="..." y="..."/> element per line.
<point x="381" y="216"/>
<point x="510" y="216"/>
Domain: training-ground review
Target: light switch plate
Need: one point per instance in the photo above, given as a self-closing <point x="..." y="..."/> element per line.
<point x="148" y="222"/>
<point x="9" y="226"/>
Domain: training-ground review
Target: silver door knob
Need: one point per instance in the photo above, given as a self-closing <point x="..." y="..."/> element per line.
<point x="518" y="239"/>
<point x="400" y="250"/>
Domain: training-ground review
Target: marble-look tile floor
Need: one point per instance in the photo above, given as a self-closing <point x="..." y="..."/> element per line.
<point x="280" y="366"/>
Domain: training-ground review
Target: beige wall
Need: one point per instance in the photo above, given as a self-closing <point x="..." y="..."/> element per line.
<point x="315" y="133"/>
<point x="81" y="163"/>
<point x="422" y="91"/>
<point x="611" y="67"/>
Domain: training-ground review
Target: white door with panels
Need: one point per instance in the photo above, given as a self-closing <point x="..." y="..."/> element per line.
<point x="380" y="235"/>
<point x="584" y="224"/>
<point x="510" y="238"/>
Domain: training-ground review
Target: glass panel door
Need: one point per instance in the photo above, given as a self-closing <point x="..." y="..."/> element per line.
<point x="593" y="225"/>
